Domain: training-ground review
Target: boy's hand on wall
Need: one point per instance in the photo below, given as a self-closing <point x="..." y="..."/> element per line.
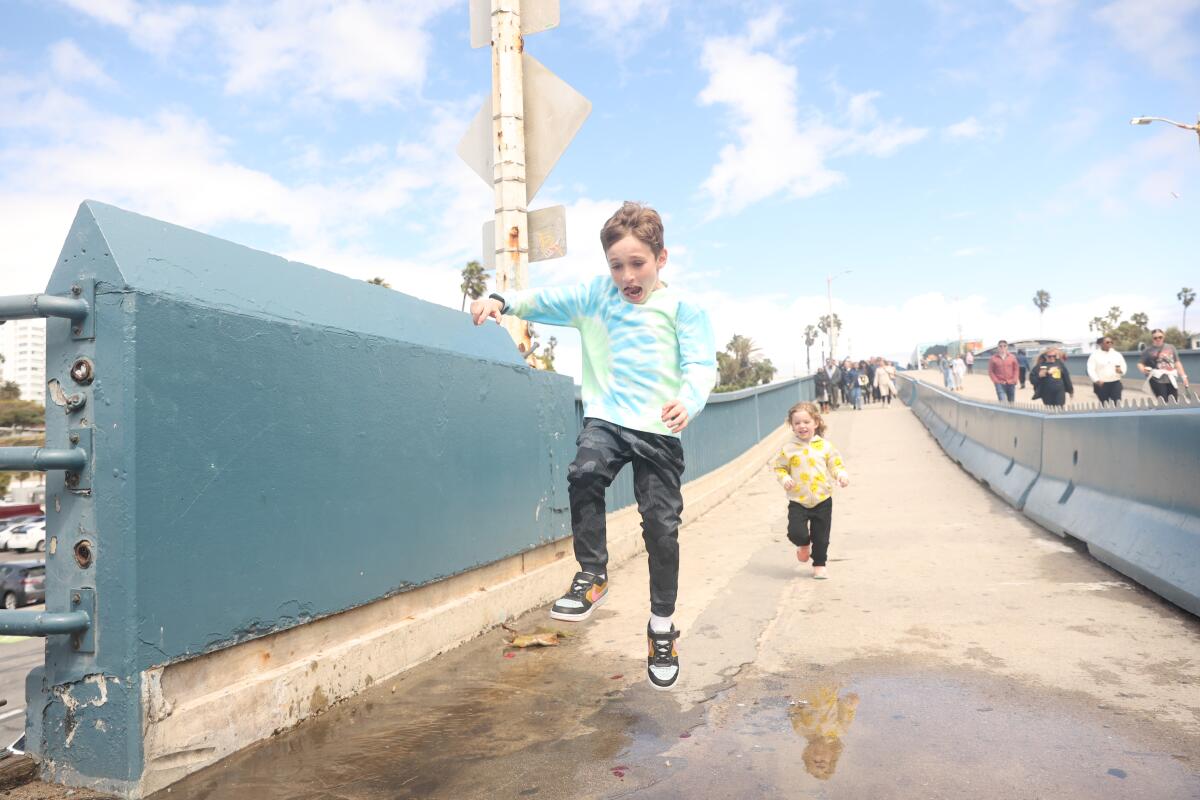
<point x="843" y="481"/>
<point x="482" y="309"/>
<point x="789" y="484"/>
<point x="674" y="415"/>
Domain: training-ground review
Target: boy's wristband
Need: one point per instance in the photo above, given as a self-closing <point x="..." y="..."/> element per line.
<point x="500" y="299"/>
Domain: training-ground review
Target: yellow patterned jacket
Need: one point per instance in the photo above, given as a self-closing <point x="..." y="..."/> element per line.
<point x="813" y="465"/>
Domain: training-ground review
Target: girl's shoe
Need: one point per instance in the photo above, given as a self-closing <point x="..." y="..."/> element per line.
<point x="820" y="574"/>
<point x="802" y="553"/>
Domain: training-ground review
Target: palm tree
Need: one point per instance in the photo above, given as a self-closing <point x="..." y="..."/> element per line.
<point x="1041" y="300"/>
<point x="810" y="338"/>
<point x="474" y="282"/>
<point x="1186" y="296"/>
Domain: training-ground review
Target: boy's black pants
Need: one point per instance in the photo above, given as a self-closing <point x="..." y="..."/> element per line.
<point x="811" y="526"/>
<point x="604" y="448"/>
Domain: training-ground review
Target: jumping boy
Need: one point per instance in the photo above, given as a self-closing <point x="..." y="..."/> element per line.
<point x="649" y="363"/>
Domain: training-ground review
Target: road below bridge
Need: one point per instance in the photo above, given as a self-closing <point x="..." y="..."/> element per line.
<point x="957" y="651"/>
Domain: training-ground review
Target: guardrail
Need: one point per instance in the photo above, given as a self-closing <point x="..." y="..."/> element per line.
<point x="1123" y="479"/>
<point x="237" y="445"/>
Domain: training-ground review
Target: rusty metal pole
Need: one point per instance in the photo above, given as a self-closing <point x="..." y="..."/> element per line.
<point x="508" y="156"/>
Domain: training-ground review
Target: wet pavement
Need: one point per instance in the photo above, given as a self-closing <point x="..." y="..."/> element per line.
<point x="957" y="651"/>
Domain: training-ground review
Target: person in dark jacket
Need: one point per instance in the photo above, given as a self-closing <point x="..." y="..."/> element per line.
<point x="1051" y="379"/>
<point x="821" y="380"/>
<point x="1023" y="364"/>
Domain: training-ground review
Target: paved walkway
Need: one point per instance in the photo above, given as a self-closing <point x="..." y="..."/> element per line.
<point x="958" y="651"/>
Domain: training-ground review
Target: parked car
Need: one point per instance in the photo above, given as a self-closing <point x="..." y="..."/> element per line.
<point x="31" y="536"/>
<point x="22" y="583"/>
<point x="6" y="526"/>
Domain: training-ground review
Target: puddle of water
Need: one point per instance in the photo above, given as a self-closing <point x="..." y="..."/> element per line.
<point x="915" y="736"/>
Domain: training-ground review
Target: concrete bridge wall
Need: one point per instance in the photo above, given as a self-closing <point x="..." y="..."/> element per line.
<point x="1123" y="480"/>
<point x="297" y="484"/>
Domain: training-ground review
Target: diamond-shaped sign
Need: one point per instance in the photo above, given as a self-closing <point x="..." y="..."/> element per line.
<point x="554" y="112"/>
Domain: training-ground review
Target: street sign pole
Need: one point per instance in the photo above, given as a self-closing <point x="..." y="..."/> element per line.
<point x="508" y="158"/>
<point x="515" y="140"/>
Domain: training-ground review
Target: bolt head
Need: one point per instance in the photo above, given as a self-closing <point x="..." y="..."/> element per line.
<point x="76" y="289"/>
<point x="75" y="598"/>
<point x="74" y="437"/>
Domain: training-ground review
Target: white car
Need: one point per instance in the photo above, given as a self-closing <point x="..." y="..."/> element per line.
<point x="8" y="525"/>
<point x="28" y="537"/>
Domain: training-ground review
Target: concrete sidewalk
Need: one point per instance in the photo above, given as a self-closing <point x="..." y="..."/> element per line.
<point x="957" y="651"/>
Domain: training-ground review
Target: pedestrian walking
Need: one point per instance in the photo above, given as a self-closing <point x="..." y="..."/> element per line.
<point x="835" y="383"/>
<point x="821" y="384"/>
<point x="807" y="467"/>
<point x="959" y="368"/>
<point x="1106" y="368"/>
<point x="1161" y="365"/>
<point x="1023" y="365"/>
<point x="1003" y="369"/>
<point x="970" y="359"/>
<point x="947" y="372"/>
<point x="655" y="353"/>
<point x="1052" y="380"/>
<point x="885" y="382"/>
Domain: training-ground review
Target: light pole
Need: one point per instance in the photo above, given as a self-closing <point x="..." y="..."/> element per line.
<point x="1147" y="120"/>
<point x="833" y="331"/>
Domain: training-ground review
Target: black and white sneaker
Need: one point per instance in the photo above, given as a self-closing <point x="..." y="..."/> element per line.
<point x="587" y="591"/>
<point x="662" y="663"/>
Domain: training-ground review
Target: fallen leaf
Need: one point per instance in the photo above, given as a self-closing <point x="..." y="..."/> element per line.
<point x="510" y="655"/>
<point x="616" y="677"/>
<point x="539" y="638"/>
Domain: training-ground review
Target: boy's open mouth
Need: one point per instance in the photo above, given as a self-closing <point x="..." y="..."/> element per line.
<point x="632" y="292"/>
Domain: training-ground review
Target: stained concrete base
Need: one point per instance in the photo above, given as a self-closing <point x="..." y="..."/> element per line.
<point x="204" y="709"/>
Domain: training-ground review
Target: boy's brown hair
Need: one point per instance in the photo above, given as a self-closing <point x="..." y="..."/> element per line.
<point x="813" y="412"/>
<point x="637" y="220"/>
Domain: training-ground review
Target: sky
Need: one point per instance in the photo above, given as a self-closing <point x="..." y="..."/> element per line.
<point x="941" y="160"/>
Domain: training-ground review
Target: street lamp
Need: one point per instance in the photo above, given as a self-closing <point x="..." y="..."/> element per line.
<point x="829" y="299"/>
<point x="1147" y="120"/>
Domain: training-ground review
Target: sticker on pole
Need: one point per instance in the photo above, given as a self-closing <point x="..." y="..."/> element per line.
<point x="547" y="236"/>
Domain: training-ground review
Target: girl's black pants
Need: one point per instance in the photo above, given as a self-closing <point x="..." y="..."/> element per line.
<point x="811" y="526"/>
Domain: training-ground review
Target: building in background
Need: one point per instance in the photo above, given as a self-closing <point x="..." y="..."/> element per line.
<point x="23" y="345"/>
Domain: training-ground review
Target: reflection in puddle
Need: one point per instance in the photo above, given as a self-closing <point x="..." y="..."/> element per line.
<point x="822" y="717"/>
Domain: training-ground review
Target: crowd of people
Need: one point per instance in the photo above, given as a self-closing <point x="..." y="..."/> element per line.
<point x="1050" y="377"/>
<point x="854" y="383"/>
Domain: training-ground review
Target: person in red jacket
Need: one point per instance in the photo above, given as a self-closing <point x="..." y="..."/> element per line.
<point x="1003" y="370"/>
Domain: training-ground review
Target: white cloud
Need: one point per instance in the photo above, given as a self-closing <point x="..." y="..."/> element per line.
<point x="634" y="18"/>
<point x="367" y="52"/>
<point x="1162" y="32"/>
<point x="968" y="252"/>
<point x="969" y="128"/>
<point x="1153" y="167"/>
<point x="174" y="166"/>
<point x="1036" y="39"/>
<point x="778" y="149"/>
<point x="72" y="65"/>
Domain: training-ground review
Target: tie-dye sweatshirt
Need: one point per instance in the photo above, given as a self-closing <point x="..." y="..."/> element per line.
<point x="636" y="357"/>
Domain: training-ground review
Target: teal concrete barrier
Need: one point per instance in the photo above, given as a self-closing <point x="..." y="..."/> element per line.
<point x="1123" y="480"/>
<point x="266" y="444"/>
<point x="1001" y="447"/>
<point x="1126" y="483"/>
<point x="269" y="444"/>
